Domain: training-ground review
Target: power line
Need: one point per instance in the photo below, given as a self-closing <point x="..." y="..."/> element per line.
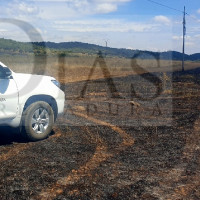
<point x="194" y="17"/>
<point x="165" y="6"/>
<point x="184" y="26"/>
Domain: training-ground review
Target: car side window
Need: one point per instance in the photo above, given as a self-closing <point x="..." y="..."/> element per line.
<point x="4" y="72"/>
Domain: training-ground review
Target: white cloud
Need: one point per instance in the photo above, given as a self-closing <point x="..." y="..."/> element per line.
<point x="198" y="11"/>
<point x="162" y="19"/>
<point x="19" y="8"/>
<point x="191" y="44"/>
<point x="187" y="37"/>
<point x="197" y="36"/>
<point x="50" y="0"/>
<point x="106" y="8"/>
<point x="103" y="25"/>
<point x="13" y="32"/>
<point x="89" y="6"/>
<point x="59" y="9"/>
<point x="3" y="30"/>
<point x="71" y="1"/>
<point x="27" y="8"/>
<point x="176" y="37"/>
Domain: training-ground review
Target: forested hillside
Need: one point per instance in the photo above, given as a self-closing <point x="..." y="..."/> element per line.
<point x="73" y="48"/>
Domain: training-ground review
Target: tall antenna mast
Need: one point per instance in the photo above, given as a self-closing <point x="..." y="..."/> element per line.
<point x="106" y="41"/>
<point x="184" y="33"/>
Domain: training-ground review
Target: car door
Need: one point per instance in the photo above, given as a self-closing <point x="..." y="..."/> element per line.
<point x="8" y="95"/>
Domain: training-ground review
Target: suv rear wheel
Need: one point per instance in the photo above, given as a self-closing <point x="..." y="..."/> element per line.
<point x="38" y="121"/>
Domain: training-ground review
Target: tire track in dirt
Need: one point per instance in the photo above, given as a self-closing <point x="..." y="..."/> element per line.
<point x="101" y="154"/>
<point x="127" y="139"/>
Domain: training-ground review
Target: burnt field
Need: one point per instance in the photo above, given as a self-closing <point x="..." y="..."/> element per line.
<point x="108" y="146"/>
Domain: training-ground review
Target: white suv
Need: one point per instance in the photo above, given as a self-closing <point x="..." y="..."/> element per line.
<point x="31" y="102"/>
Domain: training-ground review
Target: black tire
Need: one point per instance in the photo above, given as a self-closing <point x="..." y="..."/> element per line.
<point x="37" y="121"/>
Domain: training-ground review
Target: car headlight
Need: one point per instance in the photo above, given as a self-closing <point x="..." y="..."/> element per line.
<point x="55" y="82"/>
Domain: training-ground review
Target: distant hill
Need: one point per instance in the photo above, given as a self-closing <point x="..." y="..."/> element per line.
<point x="8" y="46"/>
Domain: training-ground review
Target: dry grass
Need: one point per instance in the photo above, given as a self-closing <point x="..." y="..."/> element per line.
<point x="72" y="69"/>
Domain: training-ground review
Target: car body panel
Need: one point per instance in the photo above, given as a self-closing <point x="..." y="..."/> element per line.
<point x="20" y="88"/>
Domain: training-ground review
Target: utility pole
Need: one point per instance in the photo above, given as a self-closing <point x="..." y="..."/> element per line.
<point x="184" y="33"/>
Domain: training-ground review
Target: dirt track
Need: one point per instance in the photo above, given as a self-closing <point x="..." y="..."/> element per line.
<point x="103" y="161"/>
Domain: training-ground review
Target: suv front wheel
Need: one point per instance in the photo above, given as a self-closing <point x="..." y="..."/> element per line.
<point x="38" y="121"/>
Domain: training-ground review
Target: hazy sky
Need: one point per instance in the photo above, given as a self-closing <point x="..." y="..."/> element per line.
<point x="134" y="24"/>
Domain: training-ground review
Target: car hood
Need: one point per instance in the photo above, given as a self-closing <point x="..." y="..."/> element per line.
<point x="29" y="82"/>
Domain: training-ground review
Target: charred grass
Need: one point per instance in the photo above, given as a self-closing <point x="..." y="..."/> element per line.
<point x="97" y="162"/>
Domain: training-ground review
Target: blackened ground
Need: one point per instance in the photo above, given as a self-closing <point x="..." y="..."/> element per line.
<point x="94" y="162"/>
